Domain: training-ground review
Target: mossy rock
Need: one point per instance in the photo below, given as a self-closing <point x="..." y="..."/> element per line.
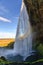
<point x="3" y="58"/>
<point x="40" y="49"/>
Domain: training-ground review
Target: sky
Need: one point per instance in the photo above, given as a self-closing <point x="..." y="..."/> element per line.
<point x="9" y="15"/>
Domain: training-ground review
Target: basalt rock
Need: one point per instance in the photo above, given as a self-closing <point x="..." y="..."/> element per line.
<point x="35" y="11"/>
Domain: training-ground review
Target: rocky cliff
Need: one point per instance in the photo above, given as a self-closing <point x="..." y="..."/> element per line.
<point x="35" y="11"/>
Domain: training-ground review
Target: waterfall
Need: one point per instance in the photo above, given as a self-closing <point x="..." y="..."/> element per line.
<point x="24" y="36"/>
<point x="23" y="43"/>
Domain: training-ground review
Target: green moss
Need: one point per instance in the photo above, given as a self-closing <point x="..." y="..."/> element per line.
<point x="40" y="60"/>
<point x="40" y="49"/>
<point x="22" y="63"/>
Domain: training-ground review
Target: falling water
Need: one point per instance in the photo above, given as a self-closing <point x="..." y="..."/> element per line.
<point x="23" y="43"/>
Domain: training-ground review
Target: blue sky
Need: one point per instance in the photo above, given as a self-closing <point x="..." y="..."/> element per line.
<point x="9" y="15"/>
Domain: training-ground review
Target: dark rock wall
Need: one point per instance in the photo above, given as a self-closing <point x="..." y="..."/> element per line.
<point x="35" y="11"/>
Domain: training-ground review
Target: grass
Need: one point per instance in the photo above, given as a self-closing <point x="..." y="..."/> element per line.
<point x="7" y="62"/>
<point x="40" y="60"/>
<point x="5" y="42"/>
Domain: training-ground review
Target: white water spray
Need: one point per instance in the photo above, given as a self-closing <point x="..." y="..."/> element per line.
<point x="23" y="43"/>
